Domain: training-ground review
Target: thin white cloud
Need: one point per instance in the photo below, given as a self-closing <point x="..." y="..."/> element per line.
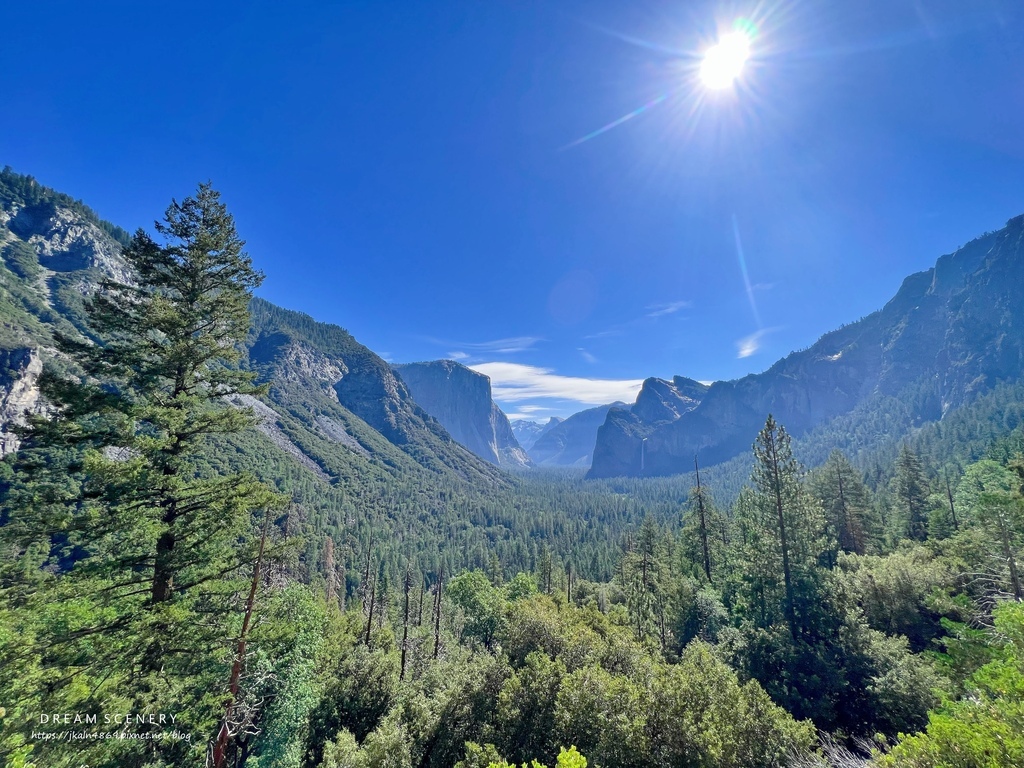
<point x="529" y="412"/>
<point x="586" y="355"/>
<point x="615" y="331"/>
<point x="660" y="310"/>
<point x="654" y="311"/>
<point x="505" y="346"/>
<point x="749" y="345"/>
<point x="458" y="355"/>
<point x="513" y="383"/>
<point x="534" y="408"/>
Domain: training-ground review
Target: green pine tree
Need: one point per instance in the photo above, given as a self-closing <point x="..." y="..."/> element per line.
<point x="134" y="552"/>
<point x="847" y="504"/>
<point x="784" y="530"/>
<point x="910" y="496"/>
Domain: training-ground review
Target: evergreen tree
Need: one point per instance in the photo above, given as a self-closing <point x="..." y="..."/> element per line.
<point x="785" y="529"/>
<point x="645" y="578"/>
<point x="847" y="504"/>
<point x="910" y="496"/>
<point x="113" y="485"/>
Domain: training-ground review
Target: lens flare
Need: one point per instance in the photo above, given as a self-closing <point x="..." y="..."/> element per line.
<point x="723" y="62"/>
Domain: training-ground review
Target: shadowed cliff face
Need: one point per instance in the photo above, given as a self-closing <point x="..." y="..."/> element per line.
<point x="958" y="327"/>
<point x="460" y="399"/>
<point x="570" y="443"/>
<point x="529" y="432"/>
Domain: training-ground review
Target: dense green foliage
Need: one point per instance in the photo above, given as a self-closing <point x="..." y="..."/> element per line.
<point x="127" y="558"/>
<point x="325" y="592"/>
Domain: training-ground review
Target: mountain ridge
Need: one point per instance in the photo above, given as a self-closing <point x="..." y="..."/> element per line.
<point x="938" y="325"/>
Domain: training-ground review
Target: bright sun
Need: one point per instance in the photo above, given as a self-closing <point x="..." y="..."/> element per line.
<point x="724" y="61"/>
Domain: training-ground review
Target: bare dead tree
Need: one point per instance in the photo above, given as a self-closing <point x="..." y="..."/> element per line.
<point x="224" y="734"/>
<point x="406" y="588"/>
<point x="437" y="611"/>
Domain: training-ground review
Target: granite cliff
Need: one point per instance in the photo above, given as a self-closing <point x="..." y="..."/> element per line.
<point x="460" y="399"/>
<point x="950" y="333"/>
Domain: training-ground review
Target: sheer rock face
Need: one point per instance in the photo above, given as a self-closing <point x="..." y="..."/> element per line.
<point x="957" y="329"/>
<point x="660" y="400"/>
<point x="570" y="443"/>
<point x="460" y="399"/>
<point x="19" y="393"/>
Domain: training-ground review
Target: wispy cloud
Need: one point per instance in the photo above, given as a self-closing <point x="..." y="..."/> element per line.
<point x="481" y="349"/>
<point x="653" y="312"/>
<point x="513" y="383"/>
<point x="614" y="331"/>
<point x="528" y="412"/>
<point x="749" y="345"/>
<point x="586" y="355"/>
<point x="534" y="408"/>
<point x="660" y="310"/>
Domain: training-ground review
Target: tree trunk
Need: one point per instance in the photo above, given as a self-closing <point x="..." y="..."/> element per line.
<point x="437" y="613"/>
<point x="703" y="524"/>
<point x="786" y="573"/>
<point x="220" y="747"/>
<point x="407" y="585"/>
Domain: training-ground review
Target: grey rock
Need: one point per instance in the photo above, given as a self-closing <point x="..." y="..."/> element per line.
<point x="19" y="392"/>
<point x="460" y="399"/>
<point x="66" y="242"/>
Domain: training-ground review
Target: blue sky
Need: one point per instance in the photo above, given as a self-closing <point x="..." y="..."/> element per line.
<point x="414" y="171"/>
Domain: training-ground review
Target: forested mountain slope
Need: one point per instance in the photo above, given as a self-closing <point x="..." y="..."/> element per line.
<point x="950" y="333"/>
<point x="338" y="430"/>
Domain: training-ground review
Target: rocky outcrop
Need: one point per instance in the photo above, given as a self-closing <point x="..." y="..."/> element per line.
<point x="570" y="443"/>
<point x="460" y="399"/>
<point x="67" y="242"/>
<point x="660" y="400"/>
<point x="287" y="360"/>
<point x="955" y="330"/>
<point x="19" y="392"/>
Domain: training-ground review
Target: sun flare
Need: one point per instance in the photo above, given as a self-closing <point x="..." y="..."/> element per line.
<point x="723" y="62"/>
